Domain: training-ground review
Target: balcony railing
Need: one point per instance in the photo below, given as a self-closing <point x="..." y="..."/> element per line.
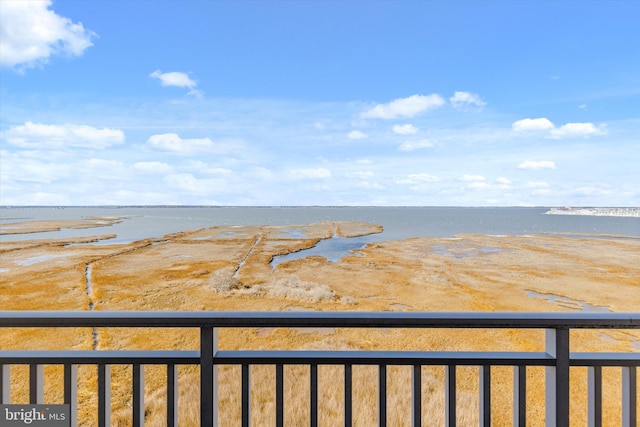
<point x="556" y="360"/>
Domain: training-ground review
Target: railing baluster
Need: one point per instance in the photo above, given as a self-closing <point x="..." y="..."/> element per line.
<point x="485" y="395"/>
<point x="562" y="376"/>
<point x="557" y="377"/>
<point x="279" y="395"/>
<point x="104" y="395"/>
<point x="416" y="392"/>
<point x="246" y="394"/>
<point x="208" y="377"/>
<point x="138" y="395"/>
<point x="71" y="391"/>
<point x="172" y="395"/>
<point x="629" y="396"/>
<point x="5" y="384"/>
<point x="313" y="392"/>
<point x="382" y="395"/>
<point x="36" y="383"/>
<point x="519" y="396"/>
<point x="595" y="396"/>
<point x="450" y="396"/>
<point x="348" y="415"/>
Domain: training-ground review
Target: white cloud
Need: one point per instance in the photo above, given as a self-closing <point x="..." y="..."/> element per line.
<point x="407" y="129"/>
<point x="30" y="33"/>
<point x="101" y="169"/>
<point x="21" y="166"/>
<point x="478" y="185"/>
<point x="174" y="143"/>
<point x="185" y="181"/>
<point x="260" y="173"/>
<point x="418" y="178"/>
<point x="577" y="130"/>
<point x="356" y="134"/>
<point x="404" y="107"/>
<point x="591" y="190"/>
<point x="174" y="78"/>
<point x="479" y="182"/>
<point x="177" y="79"/>
<point x="360" y="174"/>
<point x="464" y="99"/>
<point x="534" y="165"/>
<point x="38" y="135"/>
<point x="369" y="185"/>
<point x="189" y="184"/>
<point x="309" y="173"/>
<point x="202" y="167"/>
<point x="541" y="192"/>
<point x="532" y="125"/>
<point x="566" y="130"/>
<point x="503" y="183"/>
<point x="152" y="167"/>
<point x="472" y="178"/>
<point x="364" y="162"/>
<point x="537" y="184"/>
<point x="415" y="145"/>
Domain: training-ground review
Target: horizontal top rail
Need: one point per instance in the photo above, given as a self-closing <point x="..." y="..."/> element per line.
<point x="246" y="319"/>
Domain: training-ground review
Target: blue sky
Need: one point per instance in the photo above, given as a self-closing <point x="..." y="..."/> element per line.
<point x="461" y="103"/>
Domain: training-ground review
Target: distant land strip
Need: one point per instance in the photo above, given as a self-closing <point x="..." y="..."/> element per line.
<point x="628" y="212"/>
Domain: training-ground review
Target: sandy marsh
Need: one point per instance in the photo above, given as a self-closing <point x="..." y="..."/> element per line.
<point x="228" y="268"/>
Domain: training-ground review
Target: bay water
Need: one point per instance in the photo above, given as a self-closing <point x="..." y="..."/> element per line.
<point x="140" y="222"/>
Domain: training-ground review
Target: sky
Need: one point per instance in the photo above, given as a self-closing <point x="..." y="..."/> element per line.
<point x="283" y="103"/>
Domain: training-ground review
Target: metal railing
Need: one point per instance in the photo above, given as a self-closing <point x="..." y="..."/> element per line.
<point x="556" y="360"/>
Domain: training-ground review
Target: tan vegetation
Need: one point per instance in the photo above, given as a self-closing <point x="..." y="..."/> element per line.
<point x="228" y="268"/>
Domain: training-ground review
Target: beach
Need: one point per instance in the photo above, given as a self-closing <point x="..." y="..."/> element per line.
<point x="230" y="268"/>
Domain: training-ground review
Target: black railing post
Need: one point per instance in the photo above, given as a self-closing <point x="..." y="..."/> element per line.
<point x="138" y="395"/>
<point x="382" y="395"/>
<point x="520" y="396"/>
<point x="595" y="396"/>
<point x="246" y="395"/>
<point x="104" y="395"/>
<point x="279" y="395"/>
<point x="485" y="395"/>
<point x="36" y="383"/>
<point x="5" y="384"/>
<point x="562" y="377"/>
<point x="207" y="395"/>
<point x="450" y="396"/>
<point x="416" y="401"/>
<point x="313" y="392"/>
<point x="172" y="395"/>
<point x="557" y="377"/>
<point x="629" y="396"/>
<point x="71" y="391"/>
<point x="348" y="396"/>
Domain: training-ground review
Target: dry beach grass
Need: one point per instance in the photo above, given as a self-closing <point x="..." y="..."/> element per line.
<point x="228" y="268"/>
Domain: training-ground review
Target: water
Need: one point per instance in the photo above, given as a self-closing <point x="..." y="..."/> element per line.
<point x="398" y="222"/>
<point x="332" y="249"/>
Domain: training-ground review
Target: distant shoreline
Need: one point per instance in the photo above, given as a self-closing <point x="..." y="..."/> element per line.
<point x="618" y="212"/>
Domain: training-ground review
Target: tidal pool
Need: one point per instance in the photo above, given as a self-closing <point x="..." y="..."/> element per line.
<point x="332" y="249"/>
